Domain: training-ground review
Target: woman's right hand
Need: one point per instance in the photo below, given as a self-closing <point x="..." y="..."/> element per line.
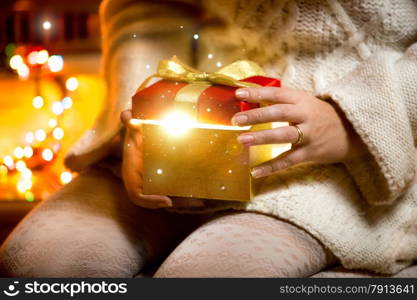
<point x="132" y="171"/>
<point x="132" y="167"/>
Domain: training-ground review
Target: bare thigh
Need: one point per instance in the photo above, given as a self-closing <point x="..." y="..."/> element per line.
<point x="246" y="245"/>
<point x="90" y="229"/>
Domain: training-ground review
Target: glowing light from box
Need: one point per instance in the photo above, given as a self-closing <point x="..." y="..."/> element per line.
<point x="40" y="135"/>
<point x="15" y="62"/>
<point x="159" y="171"/>
<point x="210" y="56"/>
<point x="58" y="133"/>
<point x="65" y="177"/>
<point x="196" y="36"/>
<point x="47" y="154"/>
<point x="46" y="25"/>
<point x="177" y="123"/>
<point x="137" y="122"/>
<point x="42" y="57"/>
<point x="57" y="108"/>
<point x="37" y="102"/>
<point x="56" y="63"/>
<point x="71" y="84"/>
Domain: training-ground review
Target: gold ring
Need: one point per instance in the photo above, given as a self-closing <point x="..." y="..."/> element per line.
<point x="300" y="136"/>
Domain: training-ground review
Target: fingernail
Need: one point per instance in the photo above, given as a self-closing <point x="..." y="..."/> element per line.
<point x="246" y="139"/>
<point x="242" y="93"/>
<point x="258" y="172"/>
<point x="240" y="120"/>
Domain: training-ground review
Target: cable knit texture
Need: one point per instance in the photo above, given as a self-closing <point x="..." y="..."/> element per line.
<point x="362" y="54"/>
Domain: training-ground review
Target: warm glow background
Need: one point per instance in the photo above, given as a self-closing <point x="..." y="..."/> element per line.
<point x="18" y="116"/>
<point x="73" y="33"/>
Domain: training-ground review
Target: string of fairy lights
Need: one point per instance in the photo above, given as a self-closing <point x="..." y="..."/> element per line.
<point x="41" y="146"/>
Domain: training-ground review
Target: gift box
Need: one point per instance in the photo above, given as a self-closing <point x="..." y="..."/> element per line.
<point x="190" y="147"/>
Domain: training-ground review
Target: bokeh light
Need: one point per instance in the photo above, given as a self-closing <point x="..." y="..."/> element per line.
<point x="15" y="62"/>
<point x="58" y="133"/>
<point x="65" y="177"/>
<point x="57" y="108"/>
<point x="47" y="154"/>
<point x="40" y="135"/>
<point x="46" y="25"/>
<point x="56" y="63"/>
<point x="71" y="84"/>
<point x="37" y="102"/>
<point x="42" y="57"/>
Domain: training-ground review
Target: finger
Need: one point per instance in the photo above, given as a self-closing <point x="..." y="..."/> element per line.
<point x="280" y="135"/>
<point x="151" y="201"/>
<point x="125" y="116"/>
<point x="272" y="113"/>
<point x="268" y="95"/>
<point x="132" y="164"/>
<point x="283" y="161"/>
<point x="129" y="122"/>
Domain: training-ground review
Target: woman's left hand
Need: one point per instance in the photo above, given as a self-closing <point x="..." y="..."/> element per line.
<point x="327" y="135"/>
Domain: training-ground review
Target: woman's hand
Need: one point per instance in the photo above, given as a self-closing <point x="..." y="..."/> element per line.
<point x="132" y="167"/>
<point x="132" y="171"/>
<point x="327" y="136"/>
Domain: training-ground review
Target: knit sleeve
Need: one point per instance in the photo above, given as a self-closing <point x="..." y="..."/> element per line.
<point x="136" y="35"/>
<point x="379" y="98"/>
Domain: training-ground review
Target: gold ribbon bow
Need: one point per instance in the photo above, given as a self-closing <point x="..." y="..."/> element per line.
<point x="230" y="75"/>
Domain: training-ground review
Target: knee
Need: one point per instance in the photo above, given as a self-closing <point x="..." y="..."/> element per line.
<point x="67" y="253"/>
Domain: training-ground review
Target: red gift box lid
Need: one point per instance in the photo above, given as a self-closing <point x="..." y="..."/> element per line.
<point x="217" y="104"/>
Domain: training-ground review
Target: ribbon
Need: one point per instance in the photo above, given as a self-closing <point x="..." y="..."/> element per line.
<point x="230" y="75"/>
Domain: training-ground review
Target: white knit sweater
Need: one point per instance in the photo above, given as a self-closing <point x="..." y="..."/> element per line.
<point x="358" y="53"/>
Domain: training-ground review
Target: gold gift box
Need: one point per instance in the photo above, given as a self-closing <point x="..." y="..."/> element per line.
<point x="206" y="161"/>
<point x="189" y="147"/>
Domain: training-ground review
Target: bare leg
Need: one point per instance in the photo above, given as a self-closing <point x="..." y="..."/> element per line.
<point x="246" y="245"/>
<point x="90" y="229"/>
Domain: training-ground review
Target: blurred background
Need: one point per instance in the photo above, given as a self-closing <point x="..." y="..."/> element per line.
<point x="50" y="92"/>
